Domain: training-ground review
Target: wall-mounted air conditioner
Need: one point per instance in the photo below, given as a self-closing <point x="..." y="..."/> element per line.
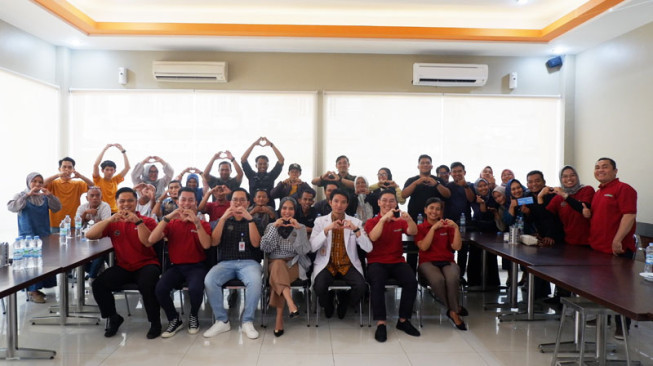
<point x="449" y="74"/>
<point x="190" y="71"/>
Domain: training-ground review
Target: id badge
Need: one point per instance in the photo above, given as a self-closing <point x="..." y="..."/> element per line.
<point x="241" y="246"/>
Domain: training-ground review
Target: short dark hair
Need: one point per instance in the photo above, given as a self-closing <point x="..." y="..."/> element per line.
<point x="433" y="200"/>
<point x="388" y="191"/>
<point x="239" y="189"/>
<point x="126" y="190"/>
<point x="330" y="184"/>
<point x="71" y="160"/>
<point x="342" y="156"/>
<point x="261" y="157"/>
<point x="535" y="172"/>
<point x="424" y="156"/>
<point x="341" y="192"/>
<point x="456" y="164"/>
<point x="612" y="162"/>
<point x="186" y="189"/>
<point x="388" y="172"/>
<point x="225" y="162"/>
<point x="263" y="190"/>
<point x="107" y="163"/>
<point x="308" y="190"/>
<point x="175" y="181"/>
<point x="446" y="168"/>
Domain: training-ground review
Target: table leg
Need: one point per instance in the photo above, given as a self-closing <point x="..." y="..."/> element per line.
<point x="64" y="318"/>
<point x="530" y="313"/>
<point x="12" y="352"/>
<point x="79" y="306"/>
<point x="570" y="346"/>
<point x="483" y="270"/>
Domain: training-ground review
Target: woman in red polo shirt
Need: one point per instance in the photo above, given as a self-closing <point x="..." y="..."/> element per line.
<point x="437" y="239"/>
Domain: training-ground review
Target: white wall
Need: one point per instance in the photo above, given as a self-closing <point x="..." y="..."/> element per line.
<point x="614" y="112"/>
<point x="25" y="54"/>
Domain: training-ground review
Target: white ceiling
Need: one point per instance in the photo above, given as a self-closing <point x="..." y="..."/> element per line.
<point x="627" y="16"/>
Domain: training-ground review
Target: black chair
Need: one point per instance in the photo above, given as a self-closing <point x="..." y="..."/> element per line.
<point x="341" y="285"/>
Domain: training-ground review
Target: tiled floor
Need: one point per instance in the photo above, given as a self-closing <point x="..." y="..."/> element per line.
<point x="335" y="342"/>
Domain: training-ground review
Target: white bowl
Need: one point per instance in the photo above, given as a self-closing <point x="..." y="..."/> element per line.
<point x="647" y="276"/>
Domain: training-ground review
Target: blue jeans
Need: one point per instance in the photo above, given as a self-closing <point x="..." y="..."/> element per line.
<point x="248" y="271"/>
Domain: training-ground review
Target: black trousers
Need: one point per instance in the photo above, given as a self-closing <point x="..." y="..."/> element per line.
<point x="353" y="278"/>
<point x="173" y="278"/>
<point x="115" y="277"/>
<point x="378" y="275"/>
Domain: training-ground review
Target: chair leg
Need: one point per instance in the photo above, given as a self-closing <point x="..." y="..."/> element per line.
<point x="420" y="307"/>
<point x="127" y="303"/>
<point x="583" y="324"/>
<point x="554" y="359"/>
<point x="317" y="311"/>
<point x="625" y="331"/>
<point x="181" y="300"/>
<point x="307" y="295"/>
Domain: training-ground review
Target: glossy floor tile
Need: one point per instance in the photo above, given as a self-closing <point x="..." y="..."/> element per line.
<point x="335" y="342"/>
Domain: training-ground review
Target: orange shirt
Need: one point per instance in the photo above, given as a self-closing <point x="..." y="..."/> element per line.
<point x="68" y="192"/>
<point x="109" y="188"/>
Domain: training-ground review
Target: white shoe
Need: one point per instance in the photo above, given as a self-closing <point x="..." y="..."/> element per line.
<point x="248" y="328"/>
<point x="217" y="328"/>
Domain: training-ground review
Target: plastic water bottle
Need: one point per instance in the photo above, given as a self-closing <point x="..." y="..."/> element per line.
<point x="67" y="221"/>
<point x="18" y="254"/>
<point x="39" y="251"/>
<point x="462" y="222"/>
<point x="420" y="219"/>
<point x="648" y="267"/>
<point x="78" y="226"/>
<point x="28" y="253"/>
<point x="63" y="232"/>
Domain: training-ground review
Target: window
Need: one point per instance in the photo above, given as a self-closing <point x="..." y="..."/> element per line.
<point x="29" y="111"/>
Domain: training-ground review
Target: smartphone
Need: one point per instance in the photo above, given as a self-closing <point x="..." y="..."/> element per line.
<point x="525" y="201"/>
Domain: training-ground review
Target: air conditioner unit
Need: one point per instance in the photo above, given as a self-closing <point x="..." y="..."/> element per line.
<point x="190" y="71"/>
<point x="449" y="74"/>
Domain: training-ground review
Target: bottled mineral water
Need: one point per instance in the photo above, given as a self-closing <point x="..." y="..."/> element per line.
<point x="420" y="219"/>
<point x="63" y="233"/>
<point x="28" y="253"/>
<point x="78" y="226"/>
<point x="67" y="221"/>
<point x="39" y="251"/>
<point x="648" y="267"/>
<point x="18" y="263"/>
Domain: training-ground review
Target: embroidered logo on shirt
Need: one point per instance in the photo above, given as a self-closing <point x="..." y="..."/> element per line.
<point x="444" y="234"/>
<point x="116" y="233"/>
<point x="608" y="195"/>
<point x="397" y="230"/>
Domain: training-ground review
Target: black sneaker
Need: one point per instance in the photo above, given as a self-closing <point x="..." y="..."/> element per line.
<point x="381" y="334"/>
<point x="154" y="332"/>
<point x="408" y="328"/>
<point x="193" y="324"/>
<point x="173" y="326"/>
<point x="114" y="323"/>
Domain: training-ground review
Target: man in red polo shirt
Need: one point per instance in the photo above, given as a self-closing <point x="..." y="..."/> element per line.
<point x="386" y="260"/>
<point x="188" y="237"/>
<point x="613" y="212"/>
<point x="612" y="218"/>
<point x="136" y="262"/>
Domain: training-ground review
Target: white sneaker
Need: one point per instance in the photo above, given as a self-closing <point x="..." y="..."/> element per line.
<point x="248" y="328"/>
<point x="217" y="328"/>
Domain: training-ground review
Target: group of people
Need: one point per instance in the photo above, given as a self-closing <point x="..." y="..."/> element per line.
<point x="355" y="234"/>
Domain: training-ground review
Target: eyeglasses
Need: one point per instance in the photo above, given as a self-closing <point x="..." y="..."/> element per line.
<point x="239" y="200"/>
<point x="382" y="175"/>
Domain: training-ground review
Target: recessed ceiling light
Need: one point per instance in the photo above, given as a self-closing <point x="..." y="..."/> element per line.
<point x="559" y="50"/>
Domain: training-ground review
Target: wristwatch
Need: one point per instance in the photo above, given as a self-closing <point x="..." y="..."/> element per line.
<point x="357" y="230"/>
